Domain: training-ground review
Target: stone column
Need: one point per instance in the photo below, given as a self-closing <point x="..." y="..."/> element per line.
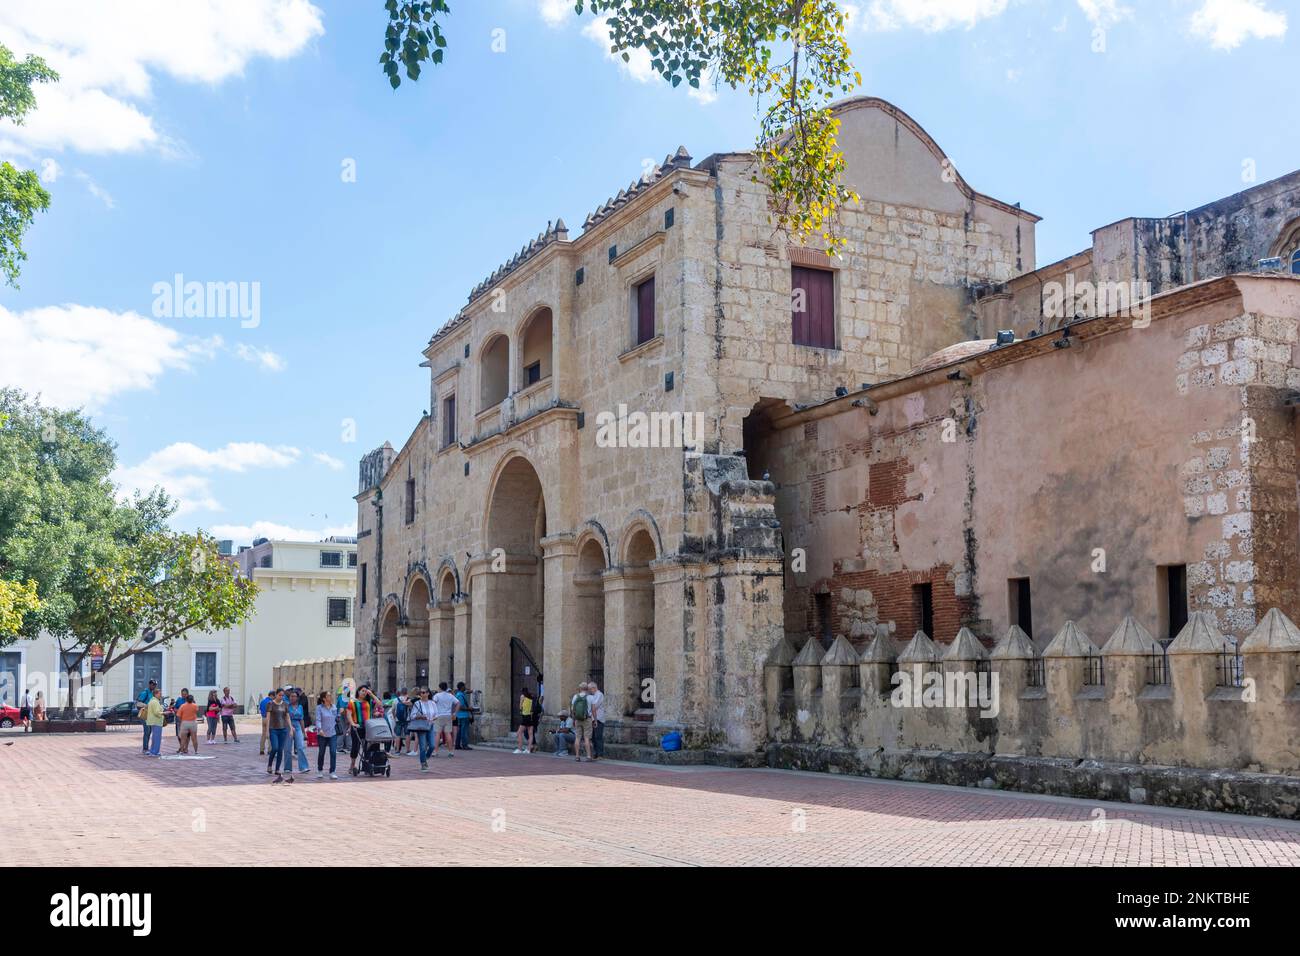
<point x="1064" y="662"/>
<point x="971" y="685"/>
<point x="1009" y="661"/>
<point x="808" y="689"/>
<point x="778" y="689"/>
<point x="564" y="657"/>
<point x="405" y="658"/>
<point x="1126" y="655"/>
<point x="1271" y="655"/>
<point x="1193" y="659"/>
<point x="461" y="639"/>
<point x="628" y="594"/>
<point x="841" y="695"/>
<point x="442" y="641"/>
<point x="917" y="695"/>
<point x="670" y="627"/>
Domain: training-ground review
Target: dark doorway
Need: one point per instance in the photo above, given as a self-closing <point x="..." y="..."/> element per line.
<point x="923" y="607"/>
<point x="524" y="674"/>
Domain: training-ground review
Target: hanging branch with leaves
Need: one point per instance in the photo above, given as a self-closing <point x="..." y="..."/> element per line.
<point x="791" y="55"/>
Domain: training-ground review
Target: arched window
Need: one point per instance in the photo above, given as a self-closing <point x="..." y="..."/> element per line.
<point x="494" y="372"/>
<point x="1295" y="263"/>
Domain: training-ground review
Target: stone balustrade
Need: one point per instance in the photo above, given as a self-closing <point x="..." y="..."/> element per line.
<point x="1202" y="702"/>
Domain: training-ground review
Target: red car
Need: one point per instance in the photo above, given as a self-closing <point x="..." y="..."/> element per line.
<point x="8" y="716"/>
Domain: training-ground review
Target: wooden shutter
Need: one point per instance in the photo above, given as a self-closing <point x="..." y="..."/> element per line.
<point x="815" y="325"/>
<point x="645" y="311"/>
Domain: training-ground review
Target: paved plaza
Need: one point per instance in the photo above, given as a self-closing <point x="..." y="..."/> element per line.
<point x="92" y="799"/>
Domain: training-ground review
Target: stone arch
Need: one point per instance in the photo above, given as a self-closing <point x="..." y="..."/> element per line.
<point x="640" y="521"/>
<point x="535" y="337"/>
<point x="1287" y="246"/>
<point x="515" y="516"/>
<point x="509" y="634"/>
<point x="390" y="619"/>
<point x="589" y="587"/>
<point x="493" y="371"/>
<point x="413" y="644"/>
<point x="593" y="530"/>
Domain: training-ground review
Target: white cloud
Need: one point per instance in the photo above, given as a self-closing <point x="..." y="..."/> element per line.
<point x="928" y="15"/>
<point x="267" y="360"/>
<point x="242" y="533"/>
<point x="329" y="461"/>
<point x="637" y="64"/>
<point x="77" y="355"/>
<point x="1104" y="13"/>
<point x="184" y="470"/>
<point x="1227" y="24"/>
<point x="50" y="170"/>
<point x="108" y="55"/>
<point x="555" y="12"/>
<point x="96" y="190"/>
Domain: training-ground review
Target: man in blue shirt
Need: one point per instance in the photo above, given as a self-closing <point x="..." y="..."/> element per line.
<point x="143" y="699"/>
<point x="261" y="707"/>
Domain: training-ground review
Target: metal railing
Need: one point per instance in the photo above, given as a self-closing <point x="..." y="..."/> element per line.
<point x="596" y="662"/>
<point x="1228" y="669"/>
<point x="1158" y="667"/>
<point x="1094" y="674"/>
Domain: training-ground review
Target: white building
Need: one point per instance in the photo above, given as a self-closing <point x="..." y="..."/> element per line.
<point x="304" y="610"/>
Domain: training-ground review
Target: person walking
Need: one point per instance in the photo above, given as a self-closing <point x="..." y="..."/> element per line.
<point x="597" y="701"/>
<point x="420" y="723"/>
<point x="25" y="711"/>
<point x="228" y="716"/>
<point x="143" y="699"/>
<point x="580" y="711"/>
<point x="176" y="703"/>
<point x="527" y="705"/>
<point x="464" y="716"/>
<point x="297" y="734"/>
<point x="445" y="705"/>
<point x="280" y="726"/>
<point x="326" y="734"/>
<point x="401" y="711"/>
<point x="263" y="706"/>
<point x="212" y="713"/>
<point x="187" y="724"/>
<point x="153" y="721"/>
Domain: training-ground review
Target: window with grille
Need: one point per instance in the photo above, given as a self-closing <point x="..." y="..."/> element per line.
<point x="352" y="559"/>
<point x="205" y="668"/>
<point x="812" y="307"/>
<point x="338" y="612"/>
<point x="331" y="559"/>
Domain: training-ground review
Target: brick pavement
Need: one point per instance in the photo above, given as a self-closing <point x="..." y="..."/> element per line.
<point x="91" y="799"/>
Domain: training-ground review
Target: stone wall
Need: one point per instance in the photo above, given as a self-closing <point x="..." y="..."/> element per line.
<point x="324" y="674"/>
<point x="1122" y="700"/>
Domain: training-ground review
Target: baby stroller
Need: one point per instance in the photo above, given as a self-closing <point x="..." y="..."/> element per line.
<point x="374" y="758"/>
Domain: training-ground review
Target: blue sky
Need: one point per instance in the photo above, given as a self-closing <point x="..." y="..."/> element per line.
<point x="209" y="139"/>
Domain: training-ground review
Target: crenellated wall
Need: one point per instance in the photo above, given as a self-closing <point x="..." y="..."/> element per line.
<point x="1126" y="700"/>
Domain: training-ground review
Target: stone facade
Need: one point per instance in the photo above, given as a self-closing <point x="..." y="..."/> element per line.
<point x="834" y="499"/>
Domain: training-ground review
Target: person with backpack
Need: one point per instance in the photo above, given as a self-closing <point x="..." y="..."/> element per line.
<point x="527" y="713"/>
<point x="401" y="711"/>
<point x="143" y="699"/>
<point x="580" y="711"/>
<point x="464" y="717"/>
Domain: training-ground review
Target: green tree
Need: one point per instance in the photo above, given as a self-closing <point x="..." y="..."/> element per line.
<point x="790" y="55"/>
<point x="17" y="599"/>
<point x="21" y="194"/>
<point x="163" y="587"/>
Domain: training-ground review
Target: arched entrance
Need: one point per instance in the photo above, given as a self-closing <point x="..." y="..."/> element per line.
<point x="591" y="608"/>
<point x="442" y="637"/>
<point x="413" y="665"/>
<point x="637" y="555"/>
<point x="510" y="590"/>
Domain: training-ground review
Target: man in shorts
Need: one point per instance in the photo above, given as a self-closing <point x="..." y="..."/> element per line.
<point x="580" y="711"/>
<point x="228" y="716"/>
<point x="444" y="719"/>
